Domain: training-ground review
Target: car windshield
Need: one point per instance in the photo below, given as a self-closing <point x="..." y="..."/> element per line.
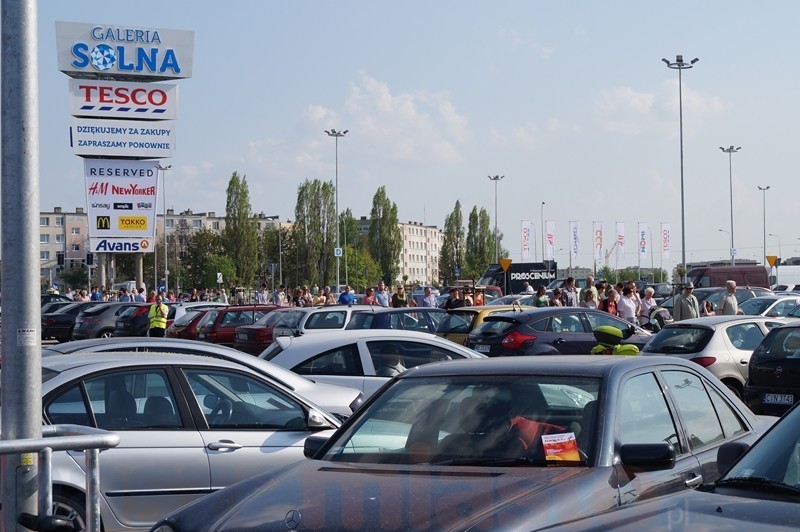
<point x="780" y="344"/>
<point x="755" y="306"/>
<point x="679" y="340"/>
<point x="476" y="420"/>
<point x="495" y="325"/>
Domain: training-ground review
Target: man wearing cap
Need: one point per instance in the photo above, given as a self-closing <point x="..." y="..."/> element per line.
<point x="686" y="305"/>
<point x="454" y="301"/>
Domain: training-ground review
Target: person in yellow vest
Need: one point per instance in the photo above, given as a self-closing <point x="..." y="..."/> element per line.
<point x="158" y="318"/>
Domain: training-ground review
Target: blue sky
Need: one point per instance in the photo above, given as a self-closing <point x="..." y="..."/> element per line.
<point x="568" y="100"/>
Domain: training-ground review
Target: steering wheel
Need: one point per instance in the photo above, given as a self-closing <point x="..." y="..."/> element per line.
<point x="221" y="413"/>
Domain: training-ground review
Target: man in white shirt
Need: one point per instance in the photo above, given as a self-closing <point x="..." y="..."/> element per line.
<point x="728" y="305"/>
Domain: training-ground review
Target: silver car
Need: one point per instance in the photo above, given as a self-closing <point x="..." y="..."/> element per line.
<point x="773" y="306"/>
<point x="338" y="400"/>
<point x="188" y="426"/>
<point x="721" y="344"/>
<point x="362" y="359"/>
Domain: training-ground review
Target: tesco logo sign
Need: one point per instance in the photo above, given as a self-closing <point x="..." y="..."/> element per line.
<point x="116" y="99"/>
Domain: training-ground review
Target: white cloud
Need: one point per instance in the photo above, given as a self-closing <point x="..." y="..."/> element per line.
<point x="624" y="110"/>
<point x="520" y="40"/>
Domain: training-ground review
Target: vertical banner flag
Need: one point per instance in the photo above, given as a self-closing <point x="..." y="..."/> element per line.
<point x="665" y="241"/>
<point x="527" y="230"/>
<point x="574" y="239"/>
<point x="620" y="241"/>
<point x="643" y="243"/>
<point x="598" y="242"/>
<point x="551" y="240"/>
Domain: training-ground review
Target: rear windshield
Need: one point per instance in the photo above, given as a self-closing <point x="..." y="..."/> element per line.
<point x="679" y="340"/>
<point x="780" y="344"/>
<point x="186" y="319"/>
<point x="359" y="320"/>
<point x="493" y="326"/>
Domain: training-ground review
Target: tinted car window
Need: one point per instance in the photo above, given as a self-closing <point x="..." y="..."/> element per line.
<point x="361" y="320"/>
<point x="326" y="320"/>
<point x="679" y="340"/>
<point x="732" y="424"/>
<point x="644" y="416"/>
<point x="186" y="319"/>
<point x="780" y="344"/>
<point x="696" y="409"/>
<point x="344" y="360"/>
<point x="411" y="353"/>
<point x="492" y="326"/>
<point x="456" y="322"/>
<point x="596" y="319"/>
<point x="567" y="323"/>
<point x="744" y="336"/>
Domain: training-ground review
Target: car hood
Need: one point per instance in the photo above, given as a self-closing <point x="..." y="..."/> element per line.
<point x="317" y="494"/>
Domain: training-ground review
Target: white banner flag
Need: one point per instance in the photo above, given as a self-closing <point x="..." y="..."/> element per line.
<point x="527" y="232"/>
<point x="598" y="241"/>
<point x="551" y="240"/>
<point x="643" y="245"/>
<point x="620" y="241"/>
<point x="574" y="239"/>
<point x="665" y="237"/>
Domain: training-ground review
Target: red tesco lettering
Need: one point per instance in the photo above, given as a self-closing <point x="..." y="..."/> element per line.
<point x="124" y="95"/>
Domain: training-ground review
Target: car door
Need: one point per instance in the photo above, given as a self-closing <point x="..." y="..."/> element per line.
<point x="160" y="463"/>
<point x="782" y="307"/>
<point x="567" y="333"/>
<point x="742" y="338"/>
<point x="644" y="415"/>
<point x="250" y="425"/>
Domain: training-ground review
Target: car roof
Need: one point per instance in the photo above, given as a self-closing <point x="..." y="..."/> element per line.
<point x="717" y="320"/>
<point x="117" y="359"/>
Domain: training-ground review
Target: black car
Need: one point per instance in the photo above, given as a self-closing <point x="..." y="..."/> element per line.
<point x="133" y="321"/>
<point x="59" y="324"/>
<point x="54" y="306"/>
<point x="773" y="383"/>
<point x="421" y="319"/>
<point x="98" y="321"/>
<point x="49" y="298"/>
<point x="548" y="331"/>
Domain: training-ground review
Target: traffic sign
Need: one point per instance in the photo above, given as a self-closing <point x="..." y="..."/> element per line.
<point x="219" y="277"/>
<point x="733" y="252"/>
<point x="505" y="263"/>
<point x="771" y="259"/>
<point x="337" y="252"/>
<point x="457" y="272"/>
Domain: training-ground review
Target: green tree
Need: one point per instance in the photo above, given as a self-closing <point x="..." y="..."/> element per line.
<point x="480" y="244"/>
<point x="314" y="231"/>
<point x="240" y="236"/>
<point x="451" y="254"/>
<point x="218" y="264"/>
<point x="385" y="237"/>
<point x="362" y="270"/>
<point x="200" y="245"/>
<point x="348" y="227"/>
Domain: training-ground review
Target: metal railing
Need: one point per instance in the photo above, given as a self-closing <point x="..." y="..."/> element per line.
<point x="66" y="438"/>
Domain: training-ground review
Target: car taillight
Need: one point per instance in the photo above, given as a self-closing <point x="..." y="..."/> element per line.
<point x="88" y="320"/>
<point x="140" y="311"/>
<point x="704" y="361"/>
<point x="515" y="339"/>
<point x="261" y="335"/>
<point x="49" y="321"/>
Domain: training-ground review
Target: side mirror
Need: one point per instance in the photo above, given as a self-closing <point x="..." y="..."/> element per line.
<point x="313" y="444"/>
<point x="316" y="421"/>
<point x="728" y="454"/>
<point x="648" y="456"/>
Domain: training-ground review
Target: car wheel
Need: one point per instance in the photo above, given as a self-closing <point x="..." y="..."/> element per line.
<point x="734" y="387"/>
<point x="72" y="508"/>
<point x="106" y="334"/>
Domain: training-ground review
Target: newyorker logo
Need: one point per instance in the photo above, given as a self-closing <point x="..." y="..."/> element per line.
<point x="123" y="206"/>
<point x="103" y="223"/>
<point x="132" y="223"/>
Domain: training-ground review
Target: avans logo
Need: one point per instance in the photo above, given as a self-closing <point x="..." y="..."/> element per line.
<point x="123" y="206"/>
<point x="119" y="246"/>
<point x="132" y="223"/>
<point x="103" y="223"/>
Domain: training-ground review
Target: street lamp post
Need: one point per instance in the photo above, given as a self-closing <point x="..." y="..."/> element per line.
<point x="730" y="151"/>
<point x="163" y="170"/>
<point x="336" y="135"/>
<point x="495" y="178"/>
<point x="680" y="66"/>
<point x="764" y="226"/>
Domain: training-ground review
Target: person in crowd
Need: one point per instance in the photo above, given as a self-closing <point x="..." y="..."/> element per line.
<point x="223" y="297"/>
<point x="428" y="300"/>
<point x="648" y="304"/>
<point x="601" y="290"/>
<point x="455" y="300"/>
<point x="686" y="305"/>
<point x="399" y="298"/>
<point x="306" y="297"/>
<point x="320" y="298"/>
<point x="527" y="288"/>
<point x="541" y="299"/>
<point x="261" y="294"/>
<point x="558" y="298"/>
<point x="157" y="317"/>
<point x="609" y="304"/>
<point x="193" y="295"/>
<point x="369" y="298"/>
<point x="391" y="362"/>
<point x="346" y="297"/>
<point x="635" y="296"/>
<point x="279" y="296"/>
<point x="139" y="297"/>
<point x="330" y="299"/>
<point x="123" y="295"/>
<point x="570" y="296"/>
<point x="589" y="286"/>
<point x="728" y="304"/>
<point x="468" y="300"/>
<point x="626" y="307"/>
<point x="382" y="295"/>
<point x="589" y="300"/>
<point x="708" y="308"/>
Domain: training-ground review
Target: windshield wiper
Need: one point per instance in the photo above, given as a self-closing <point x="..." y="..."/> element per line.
<point x="759" y="483"/>
<point x="493" y="461"/>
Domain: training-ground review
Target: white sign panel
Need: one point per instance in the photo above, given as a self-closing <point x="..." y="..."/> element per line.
<point x="123" y="52"/>
<point x="121" y="245"/>
<point x="119" y="99"/>
<point x="122" y="138"/>
<point x="121" y="198"/>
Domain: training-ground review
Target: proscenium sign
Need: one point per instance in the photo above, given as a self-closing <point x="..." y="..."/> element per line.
<point x="119" y="51"/>
<point x="119" y="99"/>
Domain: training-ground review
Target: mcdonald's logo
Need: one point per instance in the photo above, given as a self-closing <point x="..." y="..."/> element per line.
<point x="104" y="223"/>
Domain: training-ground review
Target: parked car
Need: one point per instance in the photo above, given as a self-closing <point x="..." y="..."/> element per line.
<point x="721" y="344"/>
<point x="59" y="324"/>
<point x="186" y="326"/>
<point x="774" y="306"/>
<point x="218" y="325"/>
<point x="50" y="298"/>
<point x="548" y="331"/>
<point x="305" y="320"/>
<point x="361" y="359"/>
<point x="521" y="299"/>
<point x="187" y="426"/>
<point x="661" y="291"/>
<point x="458" y="323"/>
<point x="54" y="306"/>
<point x="255" y="338"/>
<point x="98" y="321"/>
<point x="136" y="322"/>
<point x="759" y="491"/>
<point x="773" y="384"/>
<point x="743" y="293"/>
<point x="500" y="444"/>
<point x="340" y="401"/>
<point x="421" y="319"/>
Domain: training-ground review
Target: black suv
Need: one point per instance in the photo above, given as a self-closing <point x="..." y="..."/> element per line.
<point x="773" y="382"/>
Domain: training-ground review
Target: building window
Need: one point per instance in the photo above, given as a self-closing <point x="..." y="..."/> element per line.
<point x="44" y="221"/>
<point x="197" y="224"/>
<point x="170" y="223"/>
<point x="44" y="272"/>
<point x="76" y="248"/>
<point x="59" y="222"/>
<point x="76" y="230"/>
<point x="215" y="226"/>
<point x="59" y="239"/>
<point x="44" y="255"/>
<point x="44" y="239"/>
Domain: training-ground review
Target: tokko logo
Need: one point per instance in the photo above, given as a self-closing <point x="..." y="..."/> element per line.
<point x="132" y="223"/>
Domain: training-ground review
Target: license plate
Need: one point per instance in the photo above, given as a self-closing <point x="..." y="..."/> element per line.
<point x="778" y="399"/>
<point x="481" y="348"/>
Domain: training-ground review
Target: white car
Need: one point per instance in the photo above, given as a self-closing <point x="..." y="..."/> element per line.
<point x="340" y="401"/>
<point x="362" y="359"/>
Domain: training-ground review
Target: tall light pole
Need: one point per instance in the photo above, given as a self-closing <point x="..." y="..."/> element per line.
<point x="338" y="252"/>
<point x="729" y="236"/>
<point x="764" y="222"/>
<point x="164" y="187"/>
<point x="680" y="66"/>
<point x="730" y="151"/>
<point x="495" y="178"/>
<point x="543" y="234"/>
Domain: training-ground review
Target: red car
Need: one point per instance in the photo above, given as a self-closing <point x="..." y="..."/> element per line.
<point x="186" y="326"/>
<point x="255" y="338"/>
<point x="218" y="325"/>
